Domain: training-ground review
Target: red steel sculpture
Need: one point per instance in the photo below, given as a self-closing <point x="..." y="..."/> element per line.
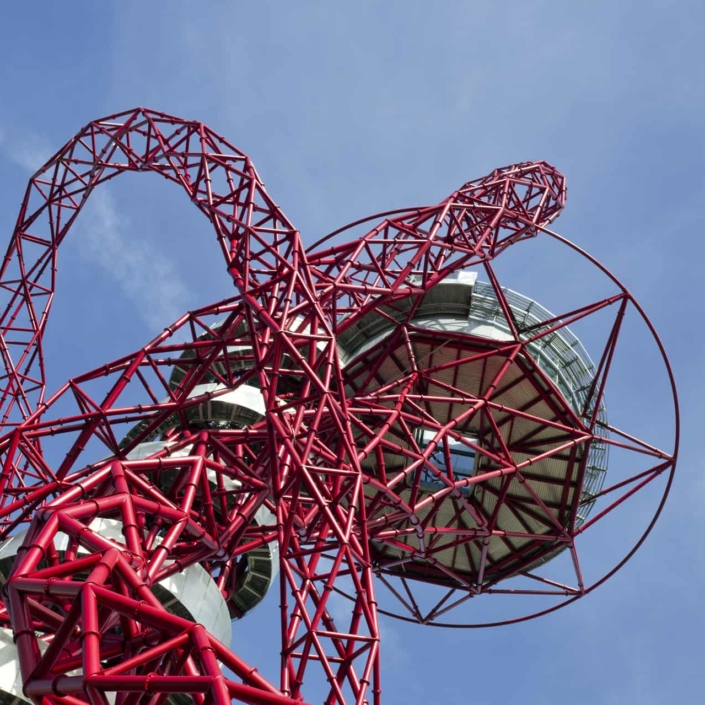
<point x="356" y="416"/>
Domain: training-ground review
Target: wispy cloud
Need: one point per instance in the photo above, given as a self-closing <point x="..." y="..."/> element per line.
<point x="25" y="148"/>
<point x="145" y="274"/>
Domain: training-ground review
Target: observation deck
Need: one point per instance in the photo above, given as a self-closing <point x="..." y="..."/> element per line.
<point x="452" y="508"/>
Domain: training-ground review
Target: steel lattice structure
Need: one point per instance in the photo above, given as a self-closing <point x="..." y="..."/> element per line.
<point x="363" y="415"/>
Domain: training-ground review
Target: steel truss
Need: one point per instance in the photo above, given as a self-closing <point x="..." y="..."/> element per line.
<point x="325" y="459"/>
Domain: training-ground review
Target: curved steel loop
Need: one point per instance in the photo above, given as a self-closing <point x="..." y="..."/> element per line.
<point x="279" y="318"/>
<point x="409" y="253"/>
<point x="255" y="236"/>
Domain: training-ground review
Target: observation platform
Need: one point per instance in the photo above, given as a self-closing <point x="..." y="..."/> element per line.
<point x="452" y="508"/>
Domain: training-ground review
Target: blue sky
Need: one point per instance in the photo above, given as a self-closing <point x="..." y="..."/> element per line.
<point x="349" y="109"/>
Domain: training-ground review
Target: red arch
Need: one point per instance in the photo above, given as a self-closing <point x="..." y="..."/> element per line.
<point x="218" y="178"/>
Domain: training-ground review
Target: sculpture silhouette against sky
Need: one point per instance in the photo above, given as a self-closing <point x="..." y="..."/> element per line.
<point x="335" y="421"/>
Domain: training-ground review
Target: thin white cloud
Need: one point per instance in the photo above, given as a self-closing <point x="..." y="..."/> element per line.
<point x="144" y="274"/>
<point x="25" y="148"/>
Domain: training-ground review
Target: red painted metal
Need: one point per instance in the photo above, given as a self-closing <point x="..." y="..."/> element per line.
<point x="320" y="460"/>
